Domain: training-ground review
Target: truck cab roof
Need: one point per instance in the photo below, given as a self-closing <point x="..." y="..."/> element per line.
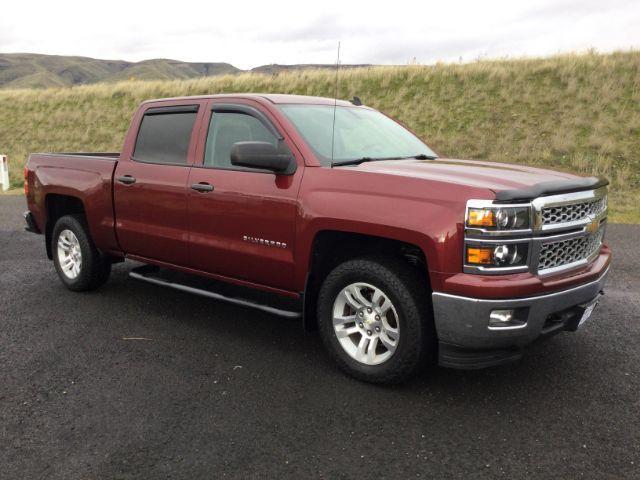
<point x="274" y="98"/>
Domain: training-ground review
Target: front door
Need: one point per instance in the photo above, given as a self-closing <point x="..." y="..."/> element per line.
<point x="150" y="185"/>
<point x="244" y="226"/>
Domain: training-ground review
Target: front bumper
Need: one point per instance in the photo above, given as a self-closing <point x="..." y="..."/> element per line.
<point x="462" y="324"/>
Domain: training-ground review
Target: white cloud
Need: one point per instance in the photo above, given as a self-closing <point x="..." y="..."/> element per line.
<point x="252" y="33"/>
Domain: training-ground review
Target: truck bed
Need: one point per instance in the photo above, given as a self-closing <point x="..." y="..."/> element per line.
<point x="114" y="156"/>
<point x="87" y="176"/>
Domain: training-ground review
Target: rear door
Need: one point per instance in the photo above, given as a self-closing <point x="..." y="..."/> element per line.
<point x="150" y="183"/>
<point x="244" y="226"/>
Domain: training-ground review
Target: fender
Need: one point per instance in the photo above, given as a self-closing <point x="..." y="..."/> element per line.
<point x="429" y="218"/>
<point x="92" y="187"/>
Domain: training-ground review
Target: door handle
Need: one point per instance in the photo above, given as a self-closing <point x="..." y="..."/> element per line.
<point x="202" y="187"/>
<point x="126" y="179"/>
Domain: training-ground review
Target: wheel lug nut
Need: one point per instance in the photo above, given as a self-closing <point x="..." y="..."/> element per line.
<point x="377" y="329"/>
<point x="361" y="314"/>
<point x="361" y="324"/>
<point x="377" y="317"/>
<point x="369" y="310"/>
<point x="368" y="332"/>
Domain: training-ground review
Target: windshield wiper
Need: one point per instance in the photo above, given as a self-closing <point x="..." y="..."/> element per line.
<point x="358" y="161"/>
<point x="420" y="156"/>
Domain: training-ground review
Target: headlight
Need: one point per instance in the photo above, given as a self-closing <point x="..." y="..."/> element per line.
<point x="499" y="218"/>
<point x="497" y="255"/>
<point x="497" y="237"/>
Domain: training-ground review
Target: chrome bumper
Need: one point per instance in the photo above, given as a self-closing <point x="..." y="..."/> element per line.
<point x="463" y="322"/>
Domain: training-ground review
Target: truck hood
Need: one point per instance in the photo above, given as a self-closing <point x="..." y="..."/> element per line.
<point x="508" y="181"/>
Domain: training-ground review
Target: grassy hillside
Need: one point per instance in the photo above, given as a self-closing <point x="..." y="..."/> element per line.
<point x="578" y="113"/>
<point x="30" y="70"/>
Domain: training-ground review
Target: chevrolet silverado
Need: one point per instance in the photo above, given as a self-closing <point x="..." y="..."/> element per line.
<point x="331" y="212"/>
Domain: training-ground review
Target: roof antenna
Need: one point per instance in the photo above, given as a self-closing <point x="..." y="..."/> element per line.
<point x="335" y="106"/>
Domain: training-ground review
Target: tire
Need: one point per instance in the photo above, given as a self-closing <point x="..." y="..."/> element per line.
<point x="71" y="238"/>
<point x="409" y="317"/>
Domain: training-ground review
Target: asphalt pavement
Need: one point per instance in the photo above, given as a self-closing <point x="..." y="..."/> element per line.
<point x="136" y="381"/>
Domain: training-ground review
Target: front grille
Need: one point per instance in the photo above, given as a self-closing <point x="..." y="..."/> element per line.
<point x="573" y="212"/>
<point x="565" y="252"/>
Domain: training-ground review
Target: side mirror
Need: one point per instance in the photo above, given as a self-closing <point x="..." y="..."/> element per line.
<point x="263" y="156"/>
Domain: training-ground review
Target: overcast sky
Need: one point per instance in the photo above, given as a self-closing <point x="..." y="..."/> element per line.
<point x="250" y="33"/>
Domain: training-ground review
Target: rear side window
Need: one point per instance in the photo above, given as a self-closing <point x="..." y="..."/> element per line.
<point x="164" y="137"/>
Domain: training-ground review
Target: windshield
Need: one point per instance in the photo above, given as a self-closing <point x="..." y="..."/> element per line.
<point x="359" y="133"/>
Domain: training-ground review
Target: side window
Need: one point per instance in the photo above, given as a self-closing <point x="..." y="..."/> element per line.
<point x="227" y="128"/>
<point x="164" y="137"/>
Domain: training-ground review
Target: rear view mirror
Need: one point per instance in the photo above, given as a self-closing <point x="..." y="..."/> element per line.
<point x="263" y="156"/>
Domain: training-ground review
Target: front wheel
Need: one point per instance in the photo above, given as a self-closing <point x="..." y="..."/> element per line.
<point x="375" y="319"/>
<point x="79" y="264"/>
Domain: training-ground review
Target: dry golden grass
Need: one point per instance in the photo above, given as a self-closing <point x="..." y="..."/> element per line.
<point x="579" y="113"/>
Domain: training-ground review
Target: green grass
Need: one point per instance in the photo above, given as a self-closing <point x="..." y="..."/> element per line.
<point x="578" y="113"/>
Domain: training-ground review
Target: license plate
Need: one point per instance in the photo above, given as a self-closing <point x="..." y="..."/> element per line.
<point x="588" y="310"/>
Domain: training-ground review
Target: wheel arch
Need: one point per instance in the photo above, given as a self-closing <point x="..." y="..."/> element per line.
<point x="57" y="206"/>
<point x="331" y="247"/>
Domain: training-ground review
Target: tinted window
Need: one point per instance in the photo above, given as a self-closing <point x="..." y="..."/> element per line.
<point x="164" y="138"/>
<point x="227" y="128"/>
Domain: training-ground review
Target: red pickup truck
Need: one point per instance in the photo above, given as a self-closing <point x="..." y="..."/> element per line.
<point x="332" y="212"/>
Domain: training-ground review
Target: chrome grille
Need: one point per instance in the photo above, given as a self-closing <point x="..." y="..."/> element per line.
<point x="566" y="252"/>
<point x="573" y="212"/>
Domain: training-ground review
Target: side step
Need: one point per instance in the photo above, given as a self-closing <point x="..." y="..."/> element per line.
<point x="204" y="287"/>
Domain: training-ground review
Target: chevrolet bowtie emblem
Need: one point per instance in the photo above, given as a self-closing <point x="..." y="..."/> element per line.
<point x="593" y="226"/>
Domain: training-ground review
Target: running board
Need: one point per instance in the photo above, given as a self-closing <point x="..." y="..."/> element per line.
<point x="146" y="274"/>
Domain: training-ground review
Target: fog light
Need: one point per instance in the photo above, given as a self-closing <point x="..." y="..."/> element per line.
<point x="505" y="319"/>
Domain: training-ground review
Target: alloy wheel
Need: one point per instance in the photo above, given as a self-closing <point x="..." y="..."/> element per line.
<point x="69" y="254"/>
<point x="366" y="324"/>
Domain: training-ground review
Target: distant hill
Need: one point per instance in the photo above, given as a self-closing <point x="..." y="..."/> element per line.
<point x="277" y="68"/>
<point x="29" y="70"/>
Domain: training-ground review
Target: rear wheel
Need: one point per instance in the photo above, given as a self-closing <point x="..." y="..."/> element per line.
<point x="80" y="265"/>
<point x="375" y="319"/>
